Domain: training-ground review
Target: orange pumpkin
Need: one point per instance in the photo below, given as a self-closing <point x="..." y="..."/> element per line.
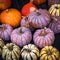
<point x="38" y="2"/>
<point x="11" y="16"/>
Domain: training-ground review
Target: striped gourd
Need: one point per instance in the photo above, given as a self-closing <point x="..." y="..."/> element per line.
<point x="30" y="52"/>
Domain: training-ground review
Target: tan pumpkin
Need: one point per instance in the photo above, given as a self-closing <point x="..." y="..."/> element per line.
<point x="49" y="53"/>
<point x="30" y="52"/>
<point x="55" y="10"/>
<point x="11" y="16"/>
<point x="11" y="52"/>
<point x="1" y="45"/>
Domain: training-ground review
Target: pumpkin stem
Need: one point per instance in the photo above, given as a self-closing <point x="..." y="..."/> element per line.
<point x="56" y="7"/>
<point x="38" y="13"/>
<point x="54" y="19"/>
<point x="26" y="19"/>
<point x="28" y="50"/>
<point x="31" y="0"/>
<point x="49" y="52"/>
<point x="21" y="32"/>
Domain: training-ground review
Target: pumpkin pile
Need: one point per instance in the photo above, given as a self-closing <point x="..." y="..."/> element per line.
<point x="29" y="34"/>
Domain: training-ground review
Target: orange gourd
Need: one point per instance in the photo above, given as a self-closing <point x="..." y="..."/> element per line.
<point x="11" y="16"/>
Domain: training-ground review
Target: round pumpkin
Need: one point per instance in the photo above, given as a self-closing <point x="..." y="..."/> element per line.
<point x="39" y="18"/>
<point x="49" y="53"/>
<point x="55" y="24"/>
<point x="21" y="36"/>
<point x="30" y="52"/>
<point x="11" y="52"/>
<point x="43" y="37"/>
<point x="5" y="4"/>
<point x="55" y="10"/>
<point x="51" y="2"/>
<point x="38" y="2"/>
<point x="5" y="31"/>
<point x="11" y="16"/>
<point x="1" y="46"/>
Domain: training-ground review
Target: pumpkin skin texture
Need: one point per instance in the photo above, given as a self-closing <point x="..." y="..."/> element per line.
<point x="30" y="52"/>
<point x="43" y="37"/>
<point x="11" y="16"/>
<point x="51" y="2"/>
<point x="5" y="31"/>
<point x="5" y="4"/>
<point x="21" y="36"/>
<point x="49" y="53"/>
<point x="1" y="45"/>
<point x="38" y="2"/>
<point x="39" y="18"/>
<point x="11" y="52"/>
<point x="54" y="10"/>
<point x="55" y="24"/>
<point x="27" y="8"/>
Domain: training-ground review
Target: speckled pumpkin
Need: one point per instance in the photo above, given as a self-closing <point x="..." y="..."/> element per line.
<point x="43" y="37"/>
<point x="30" y="52"/>
<point x="1" y="46"/>
<point x="5" y="31"/>
<point x="55" y="24"/>
<point x="11" y="52"/>
<point x="55" y="10"/>
<point x="39" y="18"/>
<point x="21" y="36"/>
<point x="49" y="53"/>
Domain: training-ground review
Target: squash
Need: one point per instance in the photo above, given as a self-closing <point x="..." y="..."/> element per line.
<point x="11" y="52"/>
<point x="30" y="52"/>
<point x="49" y="53"/>
<point x="55" y="10"/>
<point x="43" y="37"/>
<point x="11" y="16"/>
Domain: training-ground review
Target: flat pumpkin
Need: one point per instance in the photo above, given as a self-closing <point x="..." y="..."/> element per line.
<point x="11" y="16"/>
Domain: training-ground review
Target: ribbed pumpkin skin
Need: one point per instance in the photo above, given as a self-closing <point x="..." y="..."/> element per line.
<point x="39" y="18"/>
<point x="49" y="53"/>
<point x="11" y="52"/>
<point x="51" y="2"/>
<point x="43" y="37"/>
<point x="30" y="52"/>
<point x="21" y="36"/>
<point x="55" y="24"/>
<point x="5" y="31"/>
<point x="54" y="10"/>
<point x="1" y="45"/>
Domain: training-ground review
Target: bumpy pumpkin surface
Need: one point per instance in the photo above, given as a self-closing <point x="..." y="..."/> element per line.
<point x="55" y="10"/>
<point x="11" y="16"/>
<point x="43" y="37"/>
<point x="11" y="52"/>
<point x="5" y="31"/>
<point x="21" y="36"/>
<point x="1" y="45"/>
<point x="49" y="53"/>
<point x="55" y="24"/>
<point x="39" y="18"/>
<point x="51" y="2"/>
<point x="30" y="52"/>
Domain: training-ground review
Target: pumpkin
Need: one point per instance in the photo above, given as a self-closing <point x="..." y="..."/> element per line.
<point x="49" y="53"/>
<point x="11" y="52"/>
<point x="5" y="4"/>
<point x="43" y="37"/>
<point x="30" y="52"/>
<point x="54" y="10"/>
<point x="5" y="31"/>
<point x="39" y="18"/>
<point x="11" y="16"/>
<point x="21" y="36"/>
<point x="55" y="24"/>
<point x="38" y="2"/>
<point x="1" y="46"/>
<point x="51" y="2"/>
<point x="27" y="8"/>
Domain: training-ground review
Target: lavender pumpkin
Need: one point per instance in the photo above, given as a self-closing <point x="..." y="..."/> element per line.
<point x="55" y="24"/>
<point x="5" y="31"/>
<point x="43" y="37"/>
<point x="39" y="18"/>
<point x="21" y="36"/>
